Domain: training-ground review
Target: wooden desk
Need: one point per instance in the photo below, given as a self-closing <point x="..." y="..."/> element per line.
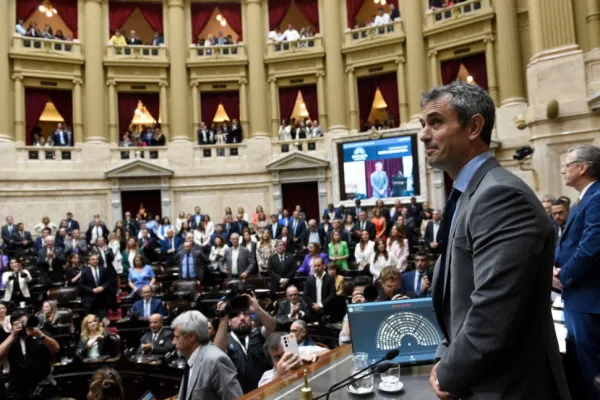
<point x="334" y="367"/>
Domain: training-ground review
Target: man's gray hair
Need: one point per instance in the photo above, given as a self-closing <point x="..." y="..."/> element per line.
<point x="548" y="197"/>
<point x="192" y="322"/>
<point x="301" y="323"/>
<point x="589" y="154"/>
<point x="466" y="100"/>
<point x="273" y="342"/>
<point x="48" y="238"/>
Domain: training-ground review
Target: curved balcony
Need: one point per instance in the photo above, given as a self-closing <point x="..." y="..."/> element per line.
<point x="210" y="55"/>
<point x="312" y="46"/>
<point x="154" y="55"/>
<point x="34" y="48"/>
<point x="373" y="35"/>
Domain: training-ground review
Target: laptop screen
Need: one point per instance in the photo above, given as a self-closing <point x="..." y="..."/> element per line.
<point x="408" y="325"/>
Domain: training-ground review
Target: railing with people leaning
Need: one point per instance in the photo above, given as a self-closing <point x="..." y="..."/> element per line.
<point x="385" y="31"/>
<point x="308" y="44"/>
<point x="436" y="17"/>
<point x="39" y="46"/>
<point x="211" y="53"/>
<point x="137" y="52"/>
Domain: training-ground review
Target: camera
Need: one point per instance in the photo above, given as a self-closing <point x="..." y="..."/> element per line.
<point x="236" y="301"/>
<point x="522" y="153"/>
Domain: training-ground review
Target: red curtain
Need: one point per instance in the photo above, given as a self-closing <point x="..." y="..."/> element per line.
<point x="25" y="8"/>
<point x="310" y="10"/>
<point x="476" y="65"/>
<point x="231" y="103"/>
<point x="309" y="94"/>
<point x="305" y="194"/>
<point x="353" y="7"/>
<point x="67" y="10"/>
<point x="35" y="102"/>
<point x="118" y="12"/>
<point x="210" y="102"/>
<point x="201" y="13"/>
<point x="128" y="102"/>
<point x="450" y="70"/>
<point x="391" y="166"/>
<point x="63" y="101"/>
<point x="277" y="11"/>
<point x="287" y="100"/>
<point x="153" y="13"/>
<point x="152" y="103"/>
<point x="366" y="94"/>
<point x="233" y="15"/>
<point x="388" y="85"/>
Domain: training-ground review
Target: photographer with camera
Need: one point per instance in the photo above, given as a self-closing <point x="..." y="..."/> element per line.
<point x="16" y="283"/>
<point x="243" y="344"/>
<point x="29" y="351"/>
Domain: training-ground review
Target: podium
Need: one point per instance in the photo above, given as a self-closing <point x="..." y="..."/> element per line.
<point x="336" y="366"/>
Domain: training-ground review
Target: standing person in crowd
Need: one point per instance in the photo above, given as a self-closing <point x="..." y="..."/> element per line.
<point x="319" y="290"/>
<point x="169" y="246"/>
<point x="577" y="269"/>
<point x="129" y="254"/>
<point x="106" y="385"/>
<point x="380" y="259"/>
<point x="216" y="257"/>
<point x="73" y="270"/>
<point x="338" y="251"/>
<point x="264" y="250"/>
<point x="94" y="284"/>
<point x="417" y="283"/>
<point x="427" y="216"/>
<point x="281" y="268"/>
<point x="314" y="252"/>
<point x="363" y="251"/>
<point x="275" y="227"/>
<point x="333" y="271"/>
<point x="192" y="264"/>
<point x="432" y="233"/>
<point x="16" y="282"/>
<point x="287" y="240"/>
<point x="380" y="224"/>
<point x="179" y="221"/>
<point x="560" y="213"/>
<point x="163" y="228"/>
<point x="46" y="224"/>
<point x="313" y="235"/>
<point x="239" y="262"/>
<point x="139" y="276"/>
<point x="363" y="225"/>
<point x="397" y="246"/>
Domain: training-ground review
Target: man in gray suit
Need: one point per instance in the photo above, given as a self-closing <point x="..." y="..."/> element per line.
<point x="491" y="297"/>
<point x="238" y="260"/>
<point x="76" y="245"/>
<point x="209" y="373"/>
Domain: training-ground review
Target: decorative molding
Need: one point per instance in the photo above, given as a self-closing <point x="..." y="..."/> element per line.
<point x="320" y="74"/>
<point x="296" y="161"/>
<point x="17" y="77"/>
<point x="243" y="81"/>
<point x="272" y="79"/>
<point x="163" y="83"/>
<point x="111" y="82"/>
<point x="350" y="70"/>
<point x="93" y="1"/>
<point x="488" y="39"/>
<point x="400" y="60"/>
<point x="192" y="84"/>
<point x="433" y="53"/>
<point x="77" y="81"/>
<point x="137" y="168"/>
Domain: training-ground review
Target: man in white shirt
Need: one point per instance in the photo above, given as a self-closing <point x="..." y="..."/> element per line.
<point x="275" y="35"/>
<point x="238" y="260"/>
<point x="291" y="34"/>
<point x="20" y="29"/>
<point x="381" y="18"/>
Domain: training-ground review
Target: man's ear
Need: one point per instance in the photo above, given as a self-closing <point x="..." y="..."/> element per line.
<point x="476" y="126"/>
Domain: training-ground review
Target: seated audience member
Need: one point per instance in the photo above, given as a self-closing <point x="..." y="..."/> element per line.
<point x="338" y="280"/>
<point x="15" y="283"/>
<point x="75" y="244"/>
<point x="317" y="300"/>
<point x="389" y="286"/>
<point x="313" y="235"/>
<point x="39" y="242"/>
<point x="213" y="326"/>
<point x="282" y="268"/>
<point x="192" y="264"/>
<point x="159" y="341"/>
<point x="94" y="339"/>
<point x="314" y="252"/>
<point x="397" y="246"/>
<point x="416" y="283"/>
<point x="147" y="305"/>
<point x="338" y="251"/>
<point x="94" y="284"/>
<point x="106" y="385"/>
<point x="283" y="362"/>
<point x="292" y="308"/>
<point x="117" y="39"/>
<point x="381" y="259"/>
<point x="300" y="329"/>
<point x="51" y="259"/>
<point x="47" y="317"/>
<point x="22" y="241"/>
<point x="249" y="360"/>
<point x="359" y="284"/>
<point x="239" y="262"/>
<point x="210" y="374"/>
<point x="73" y="269"/>
<point x="432" y="230"/>
<point x="140" y="275"/>
<point x="265" y="248"/>
<point x="29" y="352"/>
<point x="168" y="246"/>
<point x="363" y="251"/>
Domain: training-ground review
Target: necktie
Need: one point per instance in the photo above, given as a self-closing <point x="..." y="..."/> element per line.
<point x="362" y="226"/>
<point x="418" y="288"/>
<point x="172" y="244"/>
<point x="96" y="278"/>
<point x="10" y="229"/>
<point x="281" y="259"/>
<point x="294" y="228"/>
<point x="154" y="335"/>
<point x="186" y="378"/>
<point x="189" y="272"/>
<point x="147" y="309"/>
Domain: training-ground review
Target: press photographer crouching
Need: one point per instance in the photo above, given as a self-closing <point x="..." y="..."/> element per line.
<point x="244" y="345"/>
<point x="29" y="351"/>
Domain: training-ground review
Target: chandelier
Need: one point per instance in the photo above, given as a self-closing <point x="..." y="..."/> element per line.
<point x="221" y="20"/>
<point x="46" y="7"/>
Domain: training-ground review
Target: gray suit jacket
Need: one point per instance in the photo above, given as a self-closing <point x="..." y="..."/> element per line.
<point x="493" y="303"/>
<point x="245" y="262"/>
<point x="213" y="377"/>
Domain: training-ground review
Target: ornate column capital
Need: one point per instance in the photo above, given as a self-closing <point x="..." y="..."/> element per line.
<point x="432" y="53"/>
<point x="192" y="84"/>
<point x="111" y="83"/>
<point x="243" y="81"/>
<point x="320" y="74"/>
<point x="17" y="77"/>
<point x="163" y="83"/>
<point x="272" y="79"/>
<point x="350" y="70"/>
<point x="175" y="3"/>
<point x="400" y="60"/>
<point x="488" y="39"/>
<point x="77" y="81"/>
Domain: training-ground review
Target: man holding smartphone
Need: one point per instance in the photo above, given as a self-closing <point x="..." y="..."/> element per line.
<point x="29" y="352"/>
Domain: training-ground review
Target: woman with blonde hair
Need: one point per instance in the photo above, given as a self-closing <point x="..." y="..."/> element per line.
<point x="46" y="224"/>
<point x="244" y="214"/>
<point x="94" y="340"/>
<point x="47" y="317"/>
<point x="131" y="250"/>
<point x="264" y="251"/>
<point x="106" y="384"/>
<point x="179" y="221"/>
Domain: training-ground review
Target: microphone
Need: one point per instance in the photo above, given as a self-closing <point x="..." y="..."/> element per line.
<point x="390" y="355"/>
<point x="375" y="369"/>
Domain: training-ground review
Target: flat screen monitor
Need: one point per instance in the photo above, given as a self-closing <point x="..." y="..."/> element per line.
<point x="379" y="169"/>
<point x="407" y="325"/>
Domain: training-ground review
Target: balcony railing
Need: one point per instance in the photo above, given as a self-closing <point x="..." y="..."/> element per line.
<point x="47" y="153"/>
<point x="361" y="35"/>
<point x="221" y="150"/>
<point x="130" y="153"/>
<point x="214" y="53"/>
<point x="310" y="44"/>
<point x="129" y="53"/>
<point x="39" y="46"/>
<point x="305" y="145"/>
<point x="467" y="8"/>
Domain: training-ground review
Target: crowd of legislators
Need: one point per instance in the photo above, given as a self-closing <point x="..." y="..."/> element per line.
<point x="33" y="31"/>
<point x="290" y="34"/>
<point x="220" y="133"/>
<point x="294" y="129"/>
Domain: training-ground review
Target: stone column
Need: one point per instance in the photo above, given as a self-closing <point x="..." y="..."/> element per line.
<point x="490" y="65"/>
<point x="178" y="111"/>
<point x="412" y="15"/>
<point x="6" y="130"/>
<point x="434" y="68"/>
<point x="255" y="42"/>
<point x="336" y="91"/>
<point x="93" y="50"/>
<point x="274" y="108"/>
<point x="510" y="74"/>
<point x="321" y="100"/>
<point x="402" y="97"/>
<point x="593" y="23"/>
<point x="352" y="98"/>
<point x="195" y="106"/>
<point x="113" y="124"/>
<point x="164" y="109"/>
<point x="77" y="112"/>
<point x="551" y="24"/>
<point x="19" y="109"/>
<point x="244" y="123"/>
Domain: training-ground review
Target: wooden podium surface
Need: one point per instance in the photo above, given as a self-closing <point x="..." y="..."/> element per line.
<point x="336" y="366"/>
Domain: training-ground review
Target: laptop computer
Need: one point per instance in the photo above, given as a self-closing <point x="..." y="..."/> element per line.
<point x="408" y="325"/>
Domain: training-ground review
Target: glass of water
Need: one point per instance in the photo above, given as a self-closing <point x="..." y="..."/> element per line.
<point x="391" y="377"/>
<point x="364" y="385"/>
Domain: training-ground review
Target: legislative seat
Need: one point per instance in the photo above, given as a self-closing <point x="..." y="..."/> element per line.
<point x="64" y="296"/>
<point x="176" y="307"/>
<point x="157" y="290"/>
<point x="187" y="289"/>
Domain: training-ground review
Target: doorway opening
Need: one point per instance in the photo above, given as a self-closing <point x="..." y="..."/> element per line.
<point x="131" y="201"/>
<point x="305" y="194"/>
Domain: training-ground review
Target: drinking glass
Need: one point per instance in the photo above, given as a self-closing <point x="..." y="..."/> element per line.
<point x="391" y="377"/>
<point x="365" y="383"/>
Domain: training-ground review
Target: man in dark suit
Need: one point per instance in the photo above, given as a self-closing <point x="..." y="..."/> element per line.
<point x="275" y="227"/>
<point x="51" y="259"/>
<point x="130" y="224"/>
<point x="238" y="226"/>
<point x="491" y="306"/>
<point x="416" y="283"/>
<point x="577" y="270"/>
<point x="192" y="264"/>
<point x="133" y="39"/>
<point x="432" y="232"/>
<point x="22" y="241"/>
<point x="159" y="341"/>
<point x="61" y="237"/>
<point x="239" y="262"/>
<point x="7" y="233"/>
<point x="313" y="235"/>
<point x="98" y="229"/>
<point x="76" y="245"/>
<point x="293" y="308"/>
<point x="337" y="226"/>
<point x="60" y="136"/>
<point x="197" y="218"/>
<point x="71" y="223"/>
<point x="94" y="284"/>
<point x="560" y="213"/>
<point x="363" y="225"/>
<point x="235" y="132"/>
<point x="204" y="135"/>
<point x="319" y="290"/>
<point x="105" y="260"/>
<point x="357" y="208"/>
<point x="415" y="210"/>
<point x="39" y="241"/>
<point x="147" y="306"/>
<point x="219" y="231"/>
<point x="168" y="246"/>
<point x="332" y="212"/>
<point x="282" y="268"/>
<point x="148" y="245"/>
<point x="228" y="225"/>
<point x="296" y="226"/>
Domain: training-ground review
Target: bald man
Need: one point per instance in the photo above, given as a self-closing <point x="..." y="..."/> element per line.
<point x="159" y="340"/>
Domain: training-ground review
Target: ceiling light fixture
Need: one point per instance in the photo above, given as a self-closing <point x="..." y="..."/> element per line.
<point x="47" y="8"/>
<point x="469" y="79"/>
<point x="219" y="17"/>
<point x="223" y="22"/>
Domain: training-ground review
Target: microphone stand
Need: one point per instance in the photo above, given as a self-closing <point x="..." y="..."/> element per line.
<point x="381" y="369"/>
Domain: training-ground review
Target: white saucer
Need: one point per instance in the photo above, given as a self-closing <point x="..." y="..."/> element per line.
<point x="352" y="390"/>
<point x="390" y="389"/>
